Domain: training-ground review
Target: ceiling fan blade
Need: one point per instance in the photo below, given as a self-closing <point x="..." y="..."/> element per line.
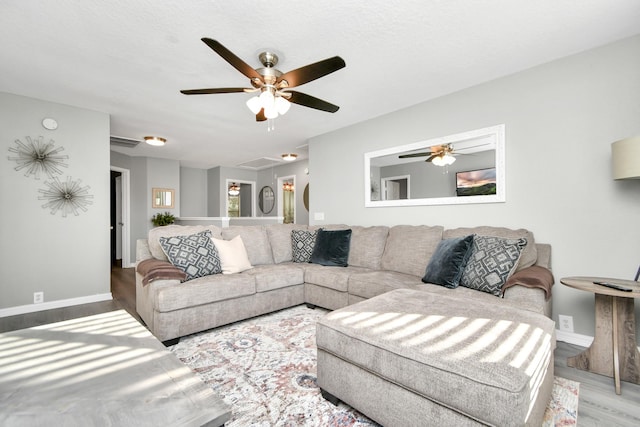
<point x="215" y="90"/>
<point x="232" y="59"/>
<point x="260" y="117"/>
<point x="408" y="156"/>
<point x="433" y="156"/>
<point x="311" y="102"/>
<point x="311" y="72"/>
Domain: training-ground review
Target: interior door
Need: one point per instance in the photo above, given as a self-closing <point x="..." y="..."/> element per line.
<point x="119" y="223"/>
<point x="392" y="190"/>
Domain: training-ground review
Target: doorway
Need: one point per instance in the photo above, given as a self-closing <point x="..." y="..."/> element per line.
<point x="240" y="203"/>
<point x="395" y="187"/>
<point x="287" y="199"/>
<point x="120" y="217"/>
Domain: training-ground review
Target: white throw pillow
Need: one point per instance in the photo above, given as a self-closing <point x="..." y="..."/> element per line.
<point x="233" y="255"/>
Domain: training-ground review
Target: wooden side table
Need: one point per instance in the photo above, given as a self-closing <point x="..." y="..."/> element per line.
<point x="614" y="351"/>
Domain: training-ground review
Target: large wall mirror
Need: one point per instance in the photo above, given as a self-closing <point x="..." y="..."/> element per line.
<point x="162" y="198"/>
<point x="468" y="167"/>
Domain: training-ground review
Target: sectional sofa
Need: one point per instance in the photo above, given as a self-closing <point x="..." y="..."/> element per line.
<point x="380" y="259"/>
<point x="383" y="281"/>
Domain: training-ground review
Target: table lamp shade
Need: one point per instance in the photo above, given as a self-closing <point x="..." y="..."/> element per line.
<point x="625" y="157"/>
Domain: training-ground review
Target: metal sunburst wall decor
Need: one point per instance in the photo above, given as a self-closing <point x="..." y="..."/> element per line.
<point x="67" y="197"/>
<point x="37" y="157"/>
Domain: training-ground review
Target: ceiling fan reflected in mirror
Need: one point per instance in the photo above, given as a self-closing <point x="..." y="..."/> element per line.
<point x="271" y="86"/>
<point x="440" y="155"/>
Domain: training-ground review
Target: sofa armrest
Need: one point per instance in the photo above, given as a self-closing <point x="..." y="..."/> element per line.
<point x="531" y="299"/>
<point x="544" y="255"/>
<point x="532" y="287"/>
<point x="142" y="250"/>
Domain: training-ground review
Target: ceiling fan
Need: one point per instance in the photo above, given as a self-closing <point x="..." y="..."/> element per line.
<point x="440" y="155"/>
<point x="273" y="85"/>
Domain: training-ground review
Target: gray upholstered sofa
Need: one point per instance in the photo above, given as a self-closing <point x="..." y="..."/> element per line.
<point x="381" y="259"/>
<point x="401" y="351"/>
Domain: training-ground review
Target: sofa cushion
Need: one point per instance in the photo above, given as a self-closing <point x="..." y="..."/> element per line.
<point x="203" y="290"/>
<point x="233" y="255"/>
<point x="448" y="262"/>
<point x="255" y="240"/>
<point x="410" y="247"/>
<point x="367" y="246"/>
<point x="176" y="230"/>
<point x="270" y="277"/>
<point x="302" y="244"/>
<point x="332" y="248"/>
<point x="328" y="277"/>
<point x="194" y="254"/>
<point x="492" y="261"/>
<point x="280" y="240"/>
<point x="369" y="284"/>
<point x="529" y="254"/>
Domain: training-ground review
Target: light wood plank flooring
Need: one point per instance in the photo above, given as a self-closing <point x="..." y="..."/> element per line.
<point x="599" y="405"/>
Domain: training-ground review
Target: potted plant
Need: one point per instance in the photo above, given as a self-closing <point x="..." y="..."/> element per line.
<point x="160" y="219"/>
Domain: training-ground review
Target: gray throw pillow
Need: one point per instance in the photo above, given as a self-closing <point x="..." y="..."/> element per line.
<point x="194" y="254"/>
<point x="449" y="261"/>
<point x="492" y="261"/>
<point x="302" y="244"/>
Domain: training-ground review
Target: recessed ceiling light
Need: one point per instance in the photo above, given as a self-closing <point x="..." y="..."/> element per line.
<point x="155" y="140"/>
<point x="289" y="157"/>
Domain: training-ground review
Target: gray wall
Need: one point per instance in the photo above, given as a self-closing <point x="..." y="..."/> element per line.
<point x="270" y="177"/>
<point x="561" y="119"/>
<point x="147" y="173"/>
<point x="63" y="257"/>
<point x="193" y="191"/>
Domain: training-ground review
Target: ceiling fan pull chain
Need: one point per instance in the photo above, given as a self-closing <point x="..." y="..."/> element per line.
<point x="271" y="125"/>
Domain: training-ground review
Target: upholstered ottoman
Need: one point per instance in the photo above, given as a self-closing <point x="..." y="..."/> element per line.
<point x="412" y="358"/>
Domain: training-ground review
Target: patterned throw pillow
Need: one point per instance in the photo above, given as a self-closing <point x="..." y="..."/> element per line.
<point x="302" y="244"/>
<point x="492" y="261"/>
<point x="194" y="254"/>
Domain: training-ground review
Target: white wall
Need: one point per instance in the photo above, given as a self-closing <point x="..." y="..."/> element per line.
<point x="561" y="119"/>
<point x="66" y="258"/>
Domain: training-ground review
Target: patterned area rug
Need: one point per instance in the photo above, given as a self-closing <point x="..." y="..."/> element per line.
<point x="265" y="368"/>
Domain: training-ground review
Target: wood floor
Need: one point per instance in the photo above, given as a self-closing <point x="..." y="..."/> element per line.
<point x="599" y="405"/>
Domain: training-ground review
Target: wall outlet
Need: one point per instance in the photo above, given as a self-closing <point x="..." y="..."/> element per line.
<point x="566" y="323"/>
<point x="318" y="216"/>
<point x="38" y="297"/>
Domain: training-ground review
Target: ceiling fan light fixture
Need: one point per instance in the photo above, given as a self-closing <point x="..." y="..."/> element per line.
<point x="270" y="112"/>
<point x="289" y="157"/>
<point x="444" y="159"/>
<point x="282" y="105"/>
<point x="254" y="104"/>
<point x="156" y="141"/>
<point x="448" y="159"/>
<point x="234" y="189"/>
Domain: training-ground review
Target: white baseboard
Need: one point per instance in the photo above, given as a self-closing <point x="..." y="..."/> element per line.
<point x="576" y="339"/>
<point x="32" y="308"/>
<point x="573" y="338"/>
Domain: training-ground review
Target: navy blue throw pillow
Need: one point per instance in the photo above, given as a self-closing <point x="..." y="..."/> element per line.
<point x="448" y="262"/>
<point x="332" y="248"/>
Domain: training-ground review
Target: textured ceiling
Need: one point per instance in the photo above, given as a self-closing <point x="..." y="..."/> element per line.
<point x="130" y="59"/>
